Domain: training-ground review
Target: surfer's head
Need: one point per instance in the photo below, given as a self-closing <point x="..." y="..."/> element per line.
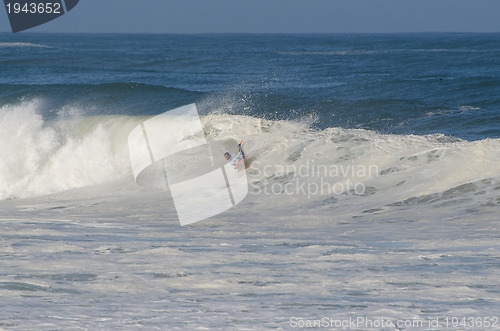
<point x="227" y="155"/>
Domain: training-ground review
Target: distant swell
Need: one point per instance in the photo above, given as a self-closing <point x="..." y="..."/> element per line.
<point x="98" y="99"/>
<point x="103" y="88"/>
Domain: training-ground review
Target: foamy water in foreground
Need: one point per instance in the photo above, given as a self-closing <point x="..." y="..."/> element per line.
<point x="121" y="261"/>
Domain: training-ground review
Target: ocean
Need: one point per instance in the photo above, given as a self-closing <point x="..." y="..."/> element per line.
<point x="373" y="168"/>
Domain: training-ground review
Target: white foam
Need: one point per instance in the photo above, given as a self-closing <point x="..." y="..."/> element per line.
<point x="45" y="157"/>
<point x="391" y="168"/>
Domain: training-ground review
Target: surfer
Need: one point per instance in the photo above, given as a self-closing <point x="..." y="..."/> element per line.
<point x="239" y="157"/>
<point x="234" y="162"/>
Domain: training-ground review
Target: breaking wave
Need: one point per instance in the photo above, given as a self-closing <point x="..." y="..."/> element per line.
<point x="367" y="170"/>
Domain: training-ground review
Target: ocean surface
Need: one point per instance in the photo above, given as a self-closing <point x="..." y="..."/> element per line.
<point x="373" y="175"/>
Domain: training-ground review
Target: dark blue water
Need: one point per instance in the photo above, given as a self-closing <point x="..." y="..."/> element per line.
<point x="401" y="83"/>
